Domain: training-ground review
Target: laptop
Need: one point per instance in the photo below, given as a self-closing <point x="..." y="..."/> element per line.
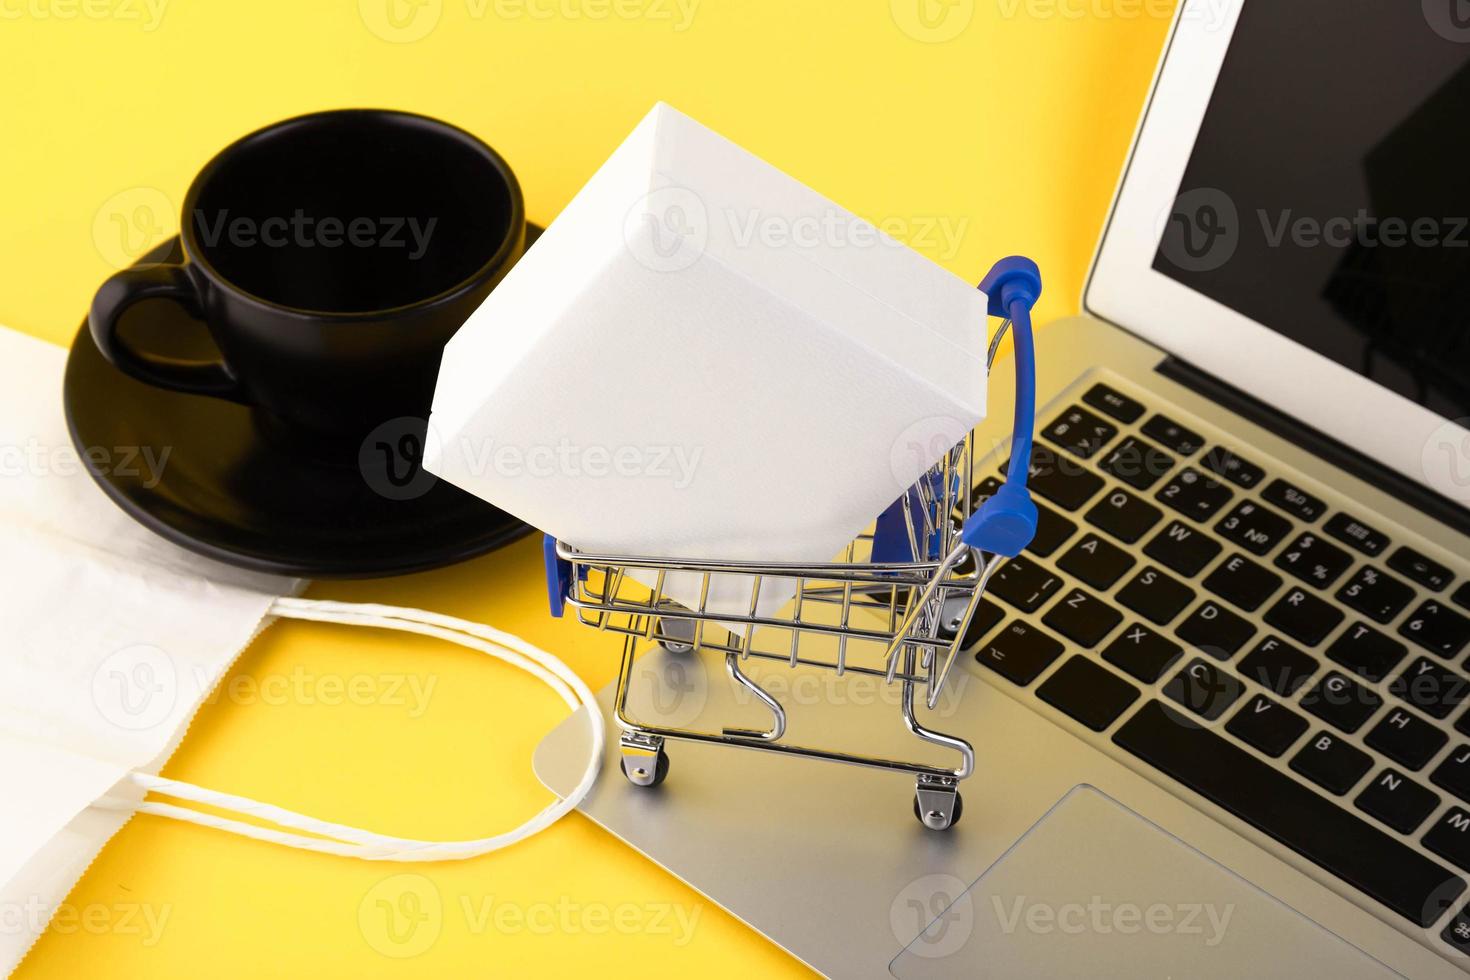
<point x="1219" y="705"/>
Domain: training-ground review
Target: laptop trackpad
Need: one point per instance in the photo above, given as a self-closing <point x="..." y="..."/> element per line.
<point x="1095" y="890"/>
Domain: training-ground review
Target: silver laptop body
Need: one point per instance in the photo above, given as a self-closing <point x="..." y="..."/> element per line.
<point x="1235" y="755"/>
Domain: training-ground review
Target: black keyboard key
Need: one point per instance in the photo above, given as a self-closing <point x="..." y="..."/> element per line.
<point x="1422" y="569"/>
<point x="1397" y="800"/>
<point x="1204" y="688"/>
<point x="1304" y="617"/>
<point x="1052" y="529"/>
<point x="1406" y="739"/>
<point x="1267" y="725"/>
<point x="1336" y="840"/>
<point x="1093" y="695"/>
<point x="1082" y="618"/>
<point x="1023" y="583"/>
<point x="1241" y="472"/>
<point x="1242" y="583"/>
<point x="1314" y="560"/>
<point x="1437" y="628"/>
<point x="1278" y="666"/>
<point x="1331" y="763"/>
<point x="1061" y="479"/>
<point x="1182" y="548"/>
<point x="1019" y="652"/>
<point x="1355" y="534"/>
<point x="1293" y="500"/>
<point x="1194" y="495"/>
<point x="1080" y="432"/>
<point x="1172" y="435"/>
<point x="1431" y="688"/>
<point x="1463" y="725"/>
<point x="1137" y="463"/>
<point x="1450" y="837"/>
<point x="1457" y="932"/>
<point x="1215" y="630"/>
<point x="1375" y="594"/>
<point x="1341" y="701"/>
<point x="1155" y="596"/>
<point x="987" y="488"/>
<point x="1124" y="516"/>
<point x="987" y="616"/>
<point x="1462" y="596"/>
<point x="1096" y="562"/>
<point x="1253" y="527"/>
<point x="1367" y="652"/>
<point x="1453" y="773"/>
<point x="1114" y="403"/>
<point x="1142" y="652"/>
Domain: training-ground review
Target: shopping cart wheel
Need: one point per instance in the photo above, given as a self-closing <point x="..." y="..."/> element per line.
<point x="638" y="773"/>
<point x="938" y="805"/>
<point x="644" y="761"/>
<point x="676" y="635"/>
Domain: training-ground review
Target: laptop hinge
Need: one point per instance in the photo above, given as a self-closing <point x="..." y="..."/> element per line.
<point x="1338" y="454"/>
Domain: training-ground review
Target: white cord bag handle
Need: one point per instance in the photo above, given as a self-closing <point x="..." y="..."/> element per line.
<point x="334" y="838"/>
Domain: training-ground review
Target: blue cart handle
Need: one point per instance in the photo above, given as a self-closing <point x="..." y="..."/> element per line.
<point x="1006" y="521"/>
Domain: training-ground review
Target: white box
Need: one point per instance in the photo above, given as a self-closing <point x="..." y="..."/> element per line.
<point x="704" y="358"/>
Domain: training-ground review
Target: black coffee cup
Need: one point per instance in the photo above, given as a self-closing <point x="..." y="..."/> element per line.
<point x="331" y="257"/>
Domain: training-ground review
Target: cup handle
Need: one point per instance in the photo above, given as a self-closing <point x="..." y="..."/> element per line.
<point x="166" y="281"/>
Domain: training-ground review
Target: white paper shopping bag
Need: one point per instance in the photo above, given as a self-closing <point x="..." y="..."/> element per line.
<point x="112" y="639"/>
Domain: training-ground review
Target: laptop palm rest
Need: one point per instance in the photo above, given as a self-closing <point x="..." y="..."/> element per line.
<point x="829" y="862"/>
<point x="1095" y="890"/>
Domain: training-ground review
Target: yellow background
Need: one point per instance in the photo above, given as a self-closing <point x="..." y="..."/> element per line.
<point x="1006" y="120"/>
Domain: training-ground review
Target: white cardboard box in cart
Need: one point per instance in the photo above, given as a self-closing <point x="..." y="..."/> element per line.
<point x="704" y="358"/>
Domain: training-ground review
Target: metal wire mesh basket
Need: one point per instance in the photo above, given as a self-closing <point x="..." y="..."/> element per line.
<point x="895" y="605"/>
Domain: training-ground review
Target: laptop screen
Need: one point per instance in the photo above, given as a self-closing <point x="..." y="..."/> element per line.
<point x="1328" y="193"/>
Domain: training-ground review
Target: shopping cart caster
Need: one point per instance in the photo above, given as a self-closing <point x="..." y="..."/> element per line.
<point x="676" y="635"/>
<point x="937" y="803"/>
<point x="644" y="761"/>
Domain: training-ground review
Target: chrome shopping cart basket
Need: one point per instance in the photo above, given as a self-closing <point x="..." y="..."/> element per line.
<point x="895" y="605"/>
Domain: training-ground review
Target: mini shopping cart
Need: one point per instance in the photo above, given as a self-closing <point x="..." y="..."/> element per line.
<point x="896" y="605"/>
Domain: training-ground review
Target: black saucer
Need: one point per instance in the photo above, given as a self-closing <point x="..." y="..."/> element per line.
<point x="224" y="491"/>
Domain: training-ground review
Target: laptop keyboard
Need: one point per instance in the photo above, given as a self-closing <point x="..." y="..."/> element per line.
<point x="1213" y="617"/>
